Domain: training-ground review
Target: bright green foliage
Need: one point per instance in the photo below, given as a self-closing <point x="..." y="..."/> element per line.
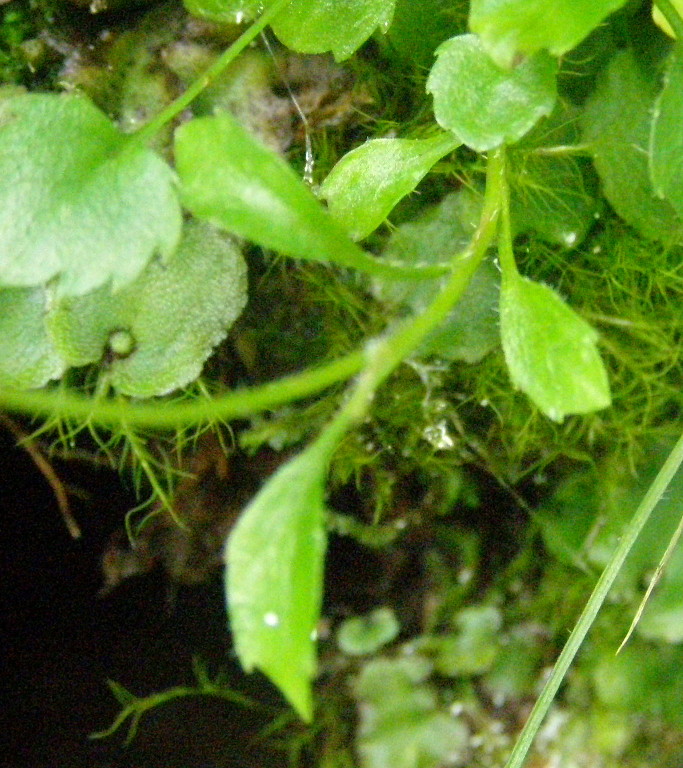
<point x="483" y="105"/>
<point x="274" y="576"/>
<point x="367" y="634"/>
<point x="473" y="648"/>
<point x="340" y="26"/>
<point x="230" y="179"/>
<point x="616" y="123"/>
<point x="471" y="330"/>
<point x="368" y="181"/>
<point x="231" y="11"/>
<point x="78" y="201"/>
<point x="401" y="723"/>
<point x="173" y="316"/>
<point x="550" y="351"/>
<point x="666" y="140"/>
<point x="511" y="27"/>
<point x="27" y="358"/>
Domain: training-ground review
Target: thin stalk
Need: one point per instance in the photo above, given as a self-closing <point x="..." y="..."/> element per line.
<point x="507" y="258"/>
<point x="602" y="588"/>
<point x="142" y="135"/>
<point x="672" y="16"/>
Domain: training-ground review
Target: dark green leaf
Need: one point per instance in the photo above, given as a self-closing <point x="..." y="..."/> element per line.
<point x="616" y="123"/>
<point x="483" y="105"/>
<point x="511" y="27"/>
<point x="367" y="182"/>
<point x="340" y="26"/>
<point x="550" y="351"/>
<point x="275" y="573"/>
<point x="78" y="201"/>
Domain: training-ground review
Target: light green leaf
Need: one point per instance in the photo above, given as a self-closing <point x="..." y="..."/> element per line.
<point x="360" y="635"/>
<point x="616" y="123"/>
<point x="340" y="26"/>
<point x="666" y="139"/>
<point x="473" y="649"/>
<point x="229" y="11"/>
<point x="230" y="179"/>
<point x="275" y="575"/>
<point x="483" y="105"/>
<point x="367" y="182"/>
<point x="160" y="329"/>
<point x="550" y="351"/>
<point x="27" y="357"/>
<point x="78" y="201"/>
<point x="511" y="27"/>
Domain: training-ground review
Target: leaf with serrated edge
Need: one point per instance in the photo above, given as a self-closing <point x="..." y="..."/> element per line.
<point x="78" y="201"/>
<point x="174" y="313"/>
<point x="483" y="105"/>
<point x="275" y="574"/>
<point x="550" y="351"/>
<point x="366" y="183"/>
<point x="339" y="26"/>
<point x="512" y="27"/>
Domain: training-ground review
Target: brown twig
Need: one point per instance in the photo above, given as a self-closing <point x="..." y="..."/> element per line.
<point x="24" y="439"/>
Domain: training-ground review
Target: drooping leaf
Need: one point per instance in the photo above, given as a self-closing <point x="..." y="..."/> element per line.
<point x="78" y="201"/>
<point x="366" y="183"/>
<point x="483" y="105"/>
<point x="666" y="138"/>
<point x="27" y="357"/>
<point x="274" y="577"/>
<point x="230" y="179"/>
<point x="511" y="27"/>
<point x="616" y="123"/>
<point x="160" y="329"/>
<point x="471" y="330"/>
<point x="339" y="26"/>
<point x="550" y="351"/>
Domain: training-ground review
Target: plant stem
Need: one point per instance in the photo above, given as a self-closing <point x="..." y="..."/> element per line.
<point x="167" y="114"/>
<point x="63" y="404"/>
<point x="672" y="16"/>
<point x="653" y="495"/>
<point x="505" y="254"/>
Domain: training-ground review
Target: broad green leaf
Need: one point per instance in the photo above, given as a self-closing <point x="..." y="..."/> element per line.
<point x="340" y="26"/>
<point x="551" y="194"/>
<point x="230" y="179"/>
<point x="361" y="635"/>
<point x="275" y="575"/>
<point x="159" y="330"/>
<point x="471" y="330"/>
<point x="27" y="357"/>
<point x="401" y="724"/>
<point x="78" y="201"/>
<point x="551" y="352"/>
<point x="483" y="105"/>
<point x="666" y="139"/>
<point x="229" y="11"/>
<point x="511" y="27"/>
<point x="367" y="182"/>
<point x="616" y="123"/>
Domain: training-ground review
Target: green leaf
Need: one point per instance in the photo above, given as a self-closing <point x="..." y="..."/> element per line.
<point x="160" y="329"/>
<point x="401" y="725"/>
<point x="550" y="351"/>
<point x="229" y="11"/>
<point x="27" y="357"/>
<point x="230" y="179"/>
<point x="361" y="635"/>
<point x="367" y="182"/>
<point x="340" y="26"/>
<point x="616" y="123"/>
<point x="473" y="649"/>
<point x="471" y="329"/>
<point x="275" y="575"/>
<point x="666" y="140"/>
<point x="78" y="201"/>
<point x="510" y="27"/>
<point x="483" y="105"/>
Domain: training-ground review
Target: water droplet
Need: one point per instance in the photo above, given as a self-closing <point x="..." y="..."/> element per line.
<point x="271" y="619"/>
<point x="569" y="238"/>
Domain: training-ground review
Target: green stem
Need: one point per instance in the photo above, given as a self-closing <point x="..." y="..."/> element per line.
<point x="205" y="79"/>
<point x="505" y="253"/>
<point x="672" y="16"/>
<point x="628" y="538"/>
<point x="167" y="415"/>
